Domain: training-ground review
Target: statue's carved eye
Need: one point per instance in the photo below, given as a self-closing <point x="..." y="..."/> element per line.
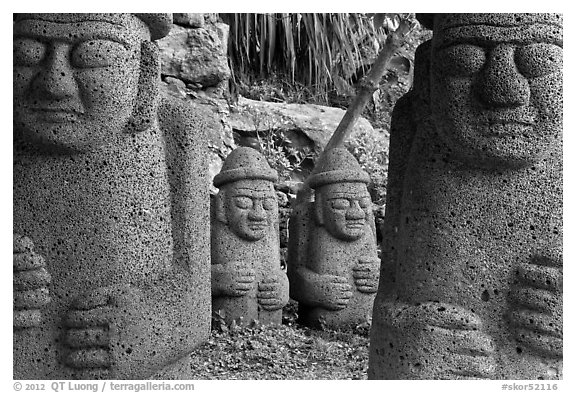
<point x="364" y="203"/>
<point x="243" y="202"/>
<point x="28" y="52"/>
<point x="539" y="59"/>
<point x="461" y="59"/>
<point x="269" y="203"/>
<point x="340" y="203"/>
<point x="98" y="53"/>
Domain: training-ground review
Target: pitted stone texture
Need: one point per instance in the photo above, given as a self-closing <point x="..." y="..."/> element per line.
<point x="247" y="281"/>
<point x="472" y="243"/>
<point x="110" y="204"/>
<point x="332" y="259"/>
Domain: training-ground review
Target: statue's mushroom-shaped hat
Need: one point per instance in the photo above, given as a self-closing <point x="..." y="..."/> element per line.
<point x="244" y="163"/>
<point x="337" y="165"/>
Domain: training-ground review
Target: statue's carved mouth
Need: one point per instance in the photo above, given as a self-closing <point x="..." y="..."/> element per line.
<point x="355" y="225"/>
<point x="257" y="226"/>
<point x="58" y="114"/>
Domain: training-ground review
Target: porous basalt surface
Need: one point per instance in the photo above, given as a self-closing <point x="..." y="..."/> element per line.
<point x="248" y="283"/>
<point x="332" y="259"/>
<point x="471" y="281"/>
<point x="111" y="257"/>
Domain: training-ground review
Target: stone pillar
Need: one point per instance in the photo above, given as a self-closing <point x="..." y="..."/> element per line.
<point x="247" y="281"/>
<point x="333" y="264"/>
<point x="111" y="268"/>
<point x="471" y="281"/>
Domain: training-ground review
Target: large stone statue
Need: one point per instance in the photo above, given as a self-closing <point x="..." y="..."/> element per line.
<point x="247" y="281"/>
<point x="333" y="264"/>
<point x="471" y="282"/>
<point x="111" y="257"/>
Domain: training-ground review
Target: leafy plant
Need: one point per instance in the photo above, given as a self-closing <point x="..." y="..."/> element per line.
<point x="326" y="52"/>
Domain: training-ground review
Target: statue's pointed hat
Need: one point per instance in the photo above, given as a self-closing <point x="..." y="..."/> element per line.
<point x="338" y="165"/>
<point x="245" y="163"/>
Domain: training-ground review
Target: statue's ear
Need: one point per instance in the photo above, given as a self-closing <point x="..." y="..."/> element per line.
<point x="220" y="207"/>
<point x="146" y="106"/>
<point x="318" y="212"/>
<point x="421" y="82"/>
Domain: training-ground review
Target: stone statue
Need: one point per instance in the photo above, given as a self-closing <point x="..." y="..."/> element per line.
<point x="471" y="281"/>
<point x="111" y="257"/>
<point x="247" y="280"/>
<point x="333" y="264"/>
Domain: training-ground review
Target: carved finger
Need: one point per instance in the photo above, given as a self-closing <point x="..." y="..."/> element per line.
<point x="338" y="280"/>
<point x="88" y="318"/>
<point x="268" y="301"/>
<point x="536" y="299"/>
<point x="245" y="279"/>
<point x="99" y="297"/>
<point x="243" y="287"/>
<point x="543" y="344"/>
<point x="264" y="287"/>
<point x="367" y="288"/>
<point x="269" y="280"/>
<point x="538" y="276"/>
<point x="362" y="274"/>
<point x="342" y="287"/>
<point x="462" y="342"/>
<point x="537" y="322"/>
<point x="34" y="299"/>
<point x="470" y="367"/>
<point x="443" y="315"/>
<point x="87" y="338"/>
<point x="23" y="319"/>
<point x="22" y="244"/>
<point x="28" y="261"/>
<point x="88" y="358"/>
<point x="246" y="272"/>
<point x="31" y="279"/>
<point x="267" y="294"/>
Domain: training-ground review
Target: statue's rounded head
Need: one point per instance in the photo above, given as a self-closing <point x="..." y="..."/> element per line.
<point x="342" y="202"/>
<point x="496" y="85"/>
<point x="79" y="77"/>
<point x="247" y="201"/>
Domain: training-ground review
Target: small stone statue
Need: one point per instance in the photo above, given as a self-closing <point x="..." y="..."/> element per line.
<point x="471" y="283"/>
<point x="333" y="264"/>
<point x="247" y="280"/>
<point x="111" y="256"/>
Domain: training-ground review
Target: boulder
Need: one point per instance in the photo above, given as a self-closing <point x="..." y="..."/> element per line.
<point x="189" y="20"/>
<point x="304" y="124"/>
<point x="196" y="56"/>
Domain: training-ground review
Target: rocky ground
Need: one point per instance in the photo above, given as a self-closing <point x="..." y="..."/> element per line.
<point x="282" y="352"/>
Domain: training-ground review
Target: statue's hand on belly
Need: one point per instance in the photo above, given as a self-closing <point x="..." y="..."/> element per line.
<point x="96" y="323"/>
<point x="30" y="281"/>
<point x="535" y="311"/>
<point x="435" y="340"/>
<point x="366" y="274"/>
